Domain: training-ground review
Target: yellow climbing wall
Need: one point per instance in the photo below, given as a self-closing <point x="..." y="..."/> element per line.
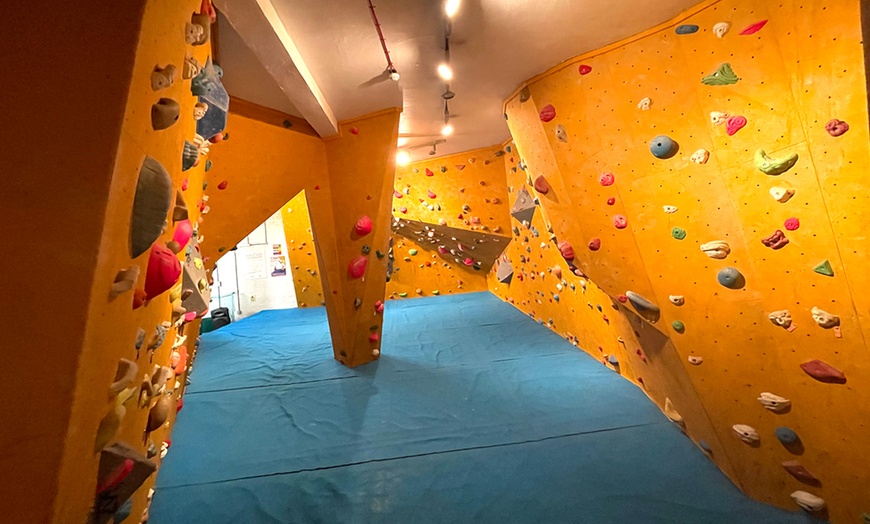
<point x="302" y="252"/>
<point x="468" y="191"/>
<point x="802" y="69"/>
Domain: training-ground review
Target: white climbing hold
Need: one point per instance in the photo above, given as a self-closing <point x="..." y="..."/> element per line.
<point x="773" y="402"/>
<point x="746" y="433"/>
<point x="695" y="361"/>
<point x="718" y="118"/>
<point x="808" y="501"/>
<point x="782" y="318"/>
<point x="677" y="300"/>
<point x="721" y="28"/>
<point x="700" y="156"/>
<point x="825" y="319"/>
<point x="781" y="194"/>
<point x="670" y="209"/>
<point x="644" y="104"/>
<point x="672" y="413"/>
<point x="718" y="249"/>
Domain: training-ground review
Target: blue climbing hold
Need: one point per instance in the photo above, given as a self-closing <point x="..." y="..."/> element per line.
<point x="613" y="360"/>
<point x="706" y="447"/>
<point x="731" y="278"/>
<point x="686" y="29"/>
<point x="663" y="146"/>
<point x="786" y="435"/>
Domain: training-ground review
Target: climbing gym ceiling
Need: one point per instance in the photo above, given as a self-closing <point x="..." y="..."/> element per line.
<point x="494" y="47"/>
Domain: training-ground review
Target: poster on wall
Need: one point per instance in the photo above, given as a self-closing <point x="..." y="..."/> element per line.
<point x="277" y="250"/>
<point x="279" y="266"/>
<point x="254" y="264"/>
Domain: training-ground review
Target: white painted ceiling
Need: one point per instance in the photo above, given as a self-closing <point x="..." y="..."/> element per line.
<point x="496" y="45"/>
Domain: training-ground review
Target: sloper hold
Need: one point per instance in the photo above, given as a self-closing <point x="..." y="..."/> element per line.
<point x="823" y="372"/>
<point x="150" y="206"/>
<point x="723" y="76"/>
<point x="774" y="166"/>
<point x="781" y="194"/>
<point x="773" y="402"/>
<point x="524" y="207"/>
<point x="746" y="433"/>
<point x="644" y="307"/>
<point x="672" y="413"/>
<point x="541" y="185"/>
<point x="808" y="501"/>
<point x="798" y="471"/>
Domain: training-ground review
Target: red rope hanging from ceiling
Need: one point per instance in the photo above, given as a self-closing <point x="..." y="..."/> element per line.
<point x="390" y="65"/>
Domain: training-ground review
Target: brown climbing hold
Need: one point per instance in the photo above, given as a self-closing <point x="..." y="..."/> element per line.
<point x="775" y="241"/>
<point x="798" y="471"/>
<point x="595" y="244"/>
<point x="541" y="185"/>
<point x="547" y="113"/>
<point x="223" y="185"/>
<point x="567" y="250"/>
<point x="836" y="127"/>
<point x="823" y="372"/>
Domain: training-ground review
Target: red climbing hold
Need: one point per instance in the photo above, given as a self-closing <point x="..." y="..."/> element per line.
<point x="584" y="69"/>
<point x="735" y="124"/>
<point x="431" y="194"/>
<point x="429" y="172"/>
<point x="753" y="28"/>
<point x="403" y="210"/>
<point x="611" y="201"/>
<point x="354" y="130"/>
<point x="595" y="244"/>
<point x="357" y="267"/>
<point x="823" y="372"/>
<point x="374" y="337"/>
<point x="619" y="222"/>
<point x="217" y="138"/>
<point x="397" y="194"/>
<point x="379" y="306"/>
<point x="179" y="405"/>
<point x="139" y="298"/>
<point x="316" y="188"/>
<point x="567" y="250"/>
<point x="223" y="185"/>
<point x="606" y="179"/>
<point x="164" y="270"/>
<point x="622" y="298"/>
<point x="547" y="113"/>
<point x="541" y="185"/>
<point x="363" y="226"/>
<point x="792" y="223"/>
<point x="443" y="250"/>
<point x="184" y="185"/>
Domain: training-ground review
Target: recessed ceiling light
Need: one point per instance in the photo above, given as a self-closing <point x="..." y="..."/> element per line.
<point x="445" y="72"/>
<point x="403" y="158"/>
<point x="451" y="7"/>
<point x="447" y="130"/>
<point x="402" y="141"/>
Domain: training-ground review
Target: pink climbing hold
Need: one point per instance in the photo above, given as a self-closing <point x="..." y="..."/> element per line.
<point x="403" y="210"/>
<point x="397" y="193"/>
<point x="379" y="306"/>
<point x="735" y="124"/>
<point x="611" y="201"/>
<point x="567" y="250"/>
<point x="190" y="316"/>
<point x="374" y="337"/>
<point x="823" y="372"/>
<point x="792" y="223"/>
<point x="468" y="261"/>
<point x="607" y="179"/>
<point x="429" y="172"/>
<point x="595" y="244"/>
<point x="461" y="246"/>
<point x="363" y="226"/>
<point x="223" y="185"/>
<point x="836" y="127"/>
<point x="443" y="250"/>
<point x="619" y="221"/>
<point x="354" y="130"/>
<point x="584" y="69"/>
<point x="182" y="234"/>
<point x="547" y="113"/>
<point x="184" y="185"/>
<point x="622" y="298"/>
<point x="431" y="194"/>
<point x="753" y="28"/>
<point x="178" y="407"/>
<point x="163" y="271"/>
<point x="460" y="166"/>
<point x="541" y="185"/>
<point x="357" y="267"/>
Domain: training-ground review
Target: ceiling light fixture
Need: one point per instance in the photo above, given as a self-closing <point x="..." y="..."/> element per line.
<point x="394" y="75"/>
<point x="391" y="69"/>
<point x="448" y="94"/>
<point x="403" y="158"/>
<point x="445" y="72"/>
<point x="451" y="7"/>
<point x="447" y="130"/>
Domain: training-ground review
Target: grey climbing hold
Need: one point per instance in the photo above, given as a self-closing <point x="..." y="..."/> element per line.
<point x="706" y="447"/>
<point x="686" y="29"/>
<point x="663" y="147"/>
<point x="644" y="307"/>
<point x="524" y="207"/>
<point x="786" y="435"/>
<point x="505" y="272"/>
<point x="731" y="278"/>
<point x="613" y="360"/>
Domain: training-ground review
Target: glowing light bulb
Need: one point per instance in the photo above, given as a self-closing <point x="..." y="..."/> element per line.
<point x="403" y="158"/>
<point x="445" y="72"/>
<point x="451" y="7"/>
<point x="402" y="141"/>
<point x="447" y="130"/>
<point x="394" y="75"/>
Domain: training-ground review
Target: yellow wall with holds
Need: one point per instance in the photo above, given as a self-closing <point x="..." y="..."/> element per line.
<point x="804" y="68"/>
<point x="304" y="266"/>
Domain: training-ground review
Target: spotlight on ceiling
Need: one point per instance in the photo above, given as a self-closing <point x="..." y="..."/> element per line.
<point x="447" y="130"/>
<point x="434" y="149"/>
<point x="403" y="158"/>
<point x="451" y="7"/>
<point x="447" y="95"/>
<point x="394" y="75"/>
<point x="445" y="72"/>
<point x="402" y="141"/>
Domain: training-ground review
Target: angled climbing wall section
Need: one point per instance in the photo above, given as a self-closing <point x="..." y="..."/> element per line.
<point x="304" y="266"/>
<point x="698" y="188"/>
<point x="450" y="223"/>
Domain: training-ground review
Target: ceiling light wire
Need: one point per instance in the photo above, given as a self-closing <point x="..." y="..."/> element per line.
<point x="391" y="68"/>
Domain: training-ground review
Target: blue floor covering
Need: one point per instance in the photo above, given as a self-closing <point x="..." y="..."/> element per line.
<point x="474" y="413"/>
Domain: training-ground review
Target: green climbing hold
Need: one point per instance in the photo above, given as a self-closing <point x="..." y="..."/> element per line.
<point x="379" y="254"/>
<point x="774" y="166"/>
<point x="204" y="185"/>
<point x="403" y="295"/>
<point x="208" y="164"/>
<point x="221" y="249"/>
<point x="721" y="77"/>
<point x="366" y="249"/>
<point x="678" y="326"/>
<point x="824" y="269"/>
<point x="412" y="252"/>
<point x="436" y="292"/>
<point x="678" y="233"/>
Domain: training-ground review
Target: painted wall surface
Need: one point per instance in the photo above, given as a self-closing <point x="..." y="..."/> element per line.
<point x="468" y="191"/>
<point x="802" y="69"/>
<point x="53" y="200"/>
<point x="111" y="325"/>
<point x="304" y="266"/>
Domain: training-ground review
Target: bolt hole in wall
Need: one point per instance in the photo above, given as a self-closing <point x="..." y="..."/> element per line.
<point x="256" y="275"/>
